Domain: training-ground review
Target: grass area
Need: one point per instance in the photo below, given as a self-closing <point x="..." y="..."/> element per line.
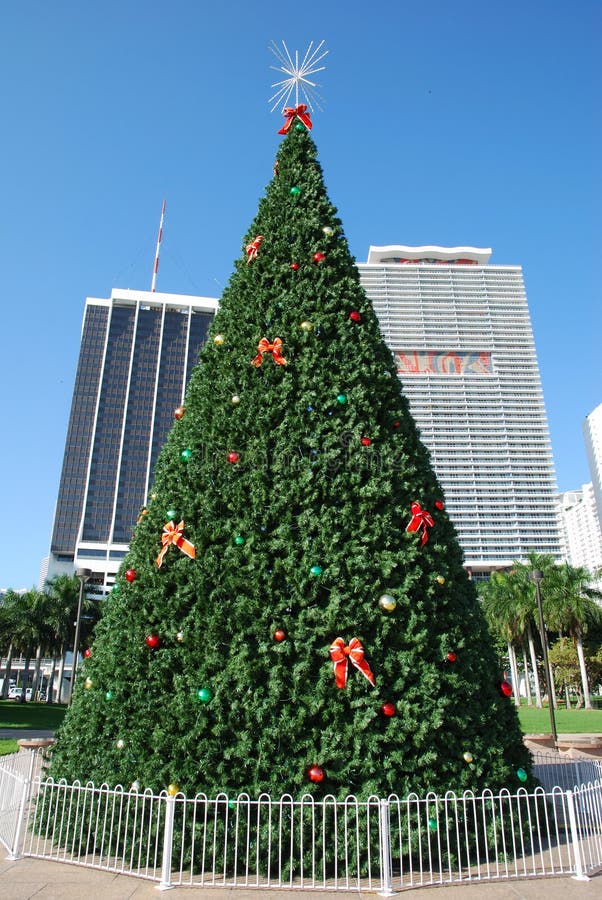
<point x="7" y="747"/>
<point x="34" y="716"/>
<point x="568" y="721"/>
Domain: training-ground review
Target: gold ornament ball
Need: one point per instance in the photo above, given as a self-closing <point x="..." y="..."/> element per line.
<point x="219" y="339"/>
<point x="88" y="683"/>
<point x="468" y="757"/>
<point x="135" y="786"/>
<point x="173" y="789"/>
<point x="327" y="229"/>
<point x="120" y="744"/>
<point x="387" y="602"/>
<point x="440" y="579"/>
<point x="180" y="636"/>
<point x="235" y="399"/>
<point x="306" y="326"/>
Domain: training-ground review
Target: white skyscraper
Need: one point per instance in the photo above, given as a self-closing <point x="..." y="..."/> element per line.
<point x="461" y="333"/>
<point x="592" y="432"/>
<point x="582" y="529"/>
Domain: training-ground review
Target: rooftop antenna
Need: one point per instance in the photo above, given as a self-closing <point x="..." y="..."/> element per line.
<point x="159" y="236"/>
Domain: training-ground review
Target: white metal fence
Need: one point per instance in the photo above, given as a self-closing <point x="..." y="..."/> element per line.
<point x="379" y="844"/>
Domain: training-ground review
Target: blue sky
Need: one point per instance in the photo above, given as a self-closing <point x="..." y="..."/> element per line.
<point x="445" y="123"/>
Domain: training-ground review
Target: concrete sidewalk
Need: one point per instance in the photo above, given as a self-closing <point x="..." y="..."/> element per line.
<point x="27" y="878"/>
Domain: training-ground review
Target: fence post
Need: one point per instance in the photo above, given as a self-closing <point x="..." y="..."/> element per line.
<point x="384" y="834"/>
<point x="25" y="793"/>
<point x="579" y="873"/>
<point x="170" y="808"/>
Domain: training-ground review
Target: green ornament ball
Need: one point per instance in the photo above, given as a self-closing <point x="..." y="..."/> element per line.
<point x="299" y="126"/>
<point x="521" y="774"/>
<point x="295" y="191"/>
<point x="433" y="824"/>
<point x="316" y="570"/>
<point x="204" y="695"/>
<point x="342" y="399"/>
<point x="109" y="695"/>
<point x="239" y="540"/>
<point x="170" y="513"/>
<point x="186" y="454"/>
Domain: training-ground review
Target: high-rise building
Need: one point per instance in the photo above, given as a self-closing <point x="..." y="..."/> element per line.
<point x="581" y="528"/>
<point x="137" y="351"/>
<point x="461" y="334"/>
<point x="592" y="432"/>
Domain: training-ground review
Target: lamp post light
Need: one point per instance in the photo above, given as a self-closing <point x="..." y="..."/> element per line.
<point x="536" y="576"/>
<point x="83" y="575"/>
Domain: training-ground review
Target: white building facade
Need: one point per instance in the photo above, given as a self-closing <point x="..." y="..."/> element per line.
<point x="592" y="432"/>
<point x="581" y="528"/>
<point x="461" y="333"/>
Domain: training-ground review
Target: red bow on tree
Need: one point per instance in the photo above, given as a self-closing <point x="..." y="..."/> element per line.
<point x="420" y="519"/>
<point x="253" y="248"/>
<point x="295" y="112"/>
<point x="342" y="655"/>
<point x="264" y="346"/>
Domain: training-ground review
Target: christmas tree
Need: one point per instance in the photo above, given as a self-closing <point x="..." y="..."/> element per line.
<point x="293" y="614"/>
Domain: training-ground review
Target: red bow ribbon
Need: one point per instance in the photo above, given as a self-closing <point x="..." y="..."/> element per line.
<point x="342" y="655"/>
<point x="420" y="519"/>
<point x="264" y="346"/>
<point x="172" y="534"/>
<point x="295" y="112"/>
<point x="253" y="248"/>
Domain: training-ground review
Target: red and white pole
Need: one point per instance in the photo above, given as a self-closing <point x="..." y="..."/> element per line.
<point x="160" y="235"/>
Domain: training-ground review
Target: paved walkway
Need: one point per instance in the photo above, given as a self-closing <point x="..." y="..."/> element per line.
<point x="27" y="878"/>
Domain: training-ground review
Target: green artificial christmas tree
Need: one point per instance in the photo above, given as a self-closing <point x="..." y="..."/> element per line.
<point x="293" y="614"/>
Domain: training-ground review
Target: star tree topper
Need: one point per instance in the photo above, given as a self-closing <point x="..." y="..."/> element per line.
<point x="297" y="79"/>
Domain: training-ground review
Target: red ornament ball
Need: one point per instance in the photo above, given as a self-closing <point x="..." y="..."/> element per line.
<point x="388" y="709"/>
<point x="130" y="575"/>
<point x="87" y="653"/>
<point x="179" y="412"/>
<point x="318" y="257"/>
<point x="439" y="504"/>
<point x="233" y="457"/>
<point x="355" y="316"/>
<point x="294" y="266"/>
<point x="451" y="656"/>
<point x="366" y="441"/>
<point x="506" y="688"/>
<point x="316" y="774"/>
<point x="396" y="423"/>
<point x="279" y="635"/>
<point x="152" y="641"/>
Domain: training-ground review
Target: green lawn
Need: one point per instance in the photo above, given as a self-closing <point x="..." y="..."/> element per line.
<point x="7" y="747"/>
<point x="568" y="721"/>
<point x="36" y="716"/>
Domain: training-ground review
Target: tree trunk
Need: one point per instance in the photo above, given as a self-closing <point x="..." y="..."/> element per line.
<point x="25" y="678"/>
<point x="567" y="696"/>
<point x="586" y="700"/>
<point x="514" y="670"/>
<point x="527" y="680"/>
<point x="36" y="673"/>
<point x="50" y="685"/>
<point x="538" y="702"/>
<point x="7" y="671"/>
<point x="59" y="690"/>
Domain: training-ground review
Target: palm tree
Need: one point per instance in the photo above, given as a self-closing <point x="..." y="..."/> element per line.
<point x="6" y="636"/>
<point x="63" y="592"/>
<point x="571" y="608"/>
<point x="502" y="612"/>
<point x="27" y="619"/>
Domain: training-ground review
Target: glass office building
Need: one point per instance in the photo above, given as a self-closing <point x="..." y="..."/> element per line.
<point x="137" y="352"/>
<point x="461" y="334"/>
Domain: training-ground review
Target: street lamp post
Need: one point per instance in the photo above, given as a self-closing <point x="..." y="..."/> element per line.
<point x="83" y="575"/>
<point x="536" y="576"/>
